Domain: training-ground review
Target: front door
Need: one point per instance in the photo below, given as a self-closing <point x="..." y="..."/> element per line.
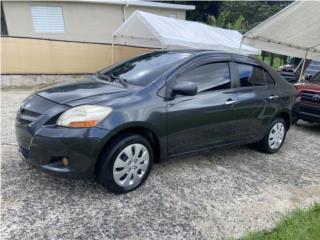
<point x="206" y="119"/>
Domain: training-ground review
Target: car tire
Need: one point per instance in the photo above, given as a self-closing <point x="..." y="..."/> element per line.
<point x="125" y="163"/>
<point x="274" y="136"/>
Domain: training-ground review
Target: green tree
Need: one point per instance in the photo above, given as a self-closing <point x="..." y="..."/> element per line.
<point x="240" y="24"/>
<point x="238" y="15"/>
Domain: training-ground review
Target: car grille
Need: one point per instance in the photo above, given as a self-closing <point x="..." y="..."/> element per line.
<point x="310" y="110"/>
<point x="26" y="117"/>
<point x="310" y="97"/>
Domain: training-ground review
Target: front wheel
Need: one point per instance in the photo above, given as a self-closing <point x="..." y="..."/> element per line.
<point x="274" y="137"/>
<point x="125" y="164"/>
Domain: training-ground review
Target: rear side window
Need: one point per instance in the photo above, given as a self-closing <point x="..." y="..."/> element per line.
<point x="209" y="77"/>
<point x="251" y="76"/>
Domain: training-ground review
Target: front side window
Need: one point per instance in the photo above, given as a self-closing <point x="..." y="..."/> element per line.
<point x="209" y="77"/>
<point x="251" y="76"/>
<point x="47" y="19"/>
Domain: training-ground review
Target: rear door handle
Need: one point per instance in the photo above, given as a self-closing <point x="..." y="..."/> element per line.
<point x="273" y="97"/>
<point x="230" y="102"/>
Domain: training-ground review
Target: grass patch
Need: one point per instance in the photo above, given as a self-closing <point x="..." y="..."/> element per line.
<point x="300" y="224"/>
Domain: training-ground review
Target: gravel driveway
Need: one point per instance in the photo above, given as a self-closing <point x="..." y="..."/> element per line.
<point x="215" y="195"/>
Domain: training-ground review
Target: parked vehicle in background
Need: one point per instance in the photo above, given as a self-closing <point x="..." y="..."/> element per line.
<point x="291" y="71"/>
<point x="154" y="106"/>
<point x="308" y="101"/>
<point x="311" y="69"/>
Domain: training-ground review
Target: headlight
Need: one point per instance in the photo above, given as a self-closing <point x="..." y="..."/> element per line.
<point x="83" y="116"/>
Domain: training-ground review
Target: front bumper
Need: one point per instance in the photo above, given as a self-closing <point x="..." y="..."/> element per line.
<point x="307" y="112"/>
<point x="46" y="148"/>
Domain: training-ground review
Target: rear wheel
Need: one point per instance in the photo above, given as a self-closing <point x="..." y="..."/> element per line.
<point x="125" y="163"/>
<point x="274" y="137"/>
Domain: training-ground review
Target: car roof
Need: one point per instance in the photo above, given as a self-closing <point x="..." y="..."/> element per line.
<point x="200" y="52"/>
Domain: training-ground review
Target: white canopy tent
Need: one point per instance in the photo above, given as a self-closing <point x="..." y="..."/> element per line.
<point x="149" y="30"/>
<point x="294" y="31"/>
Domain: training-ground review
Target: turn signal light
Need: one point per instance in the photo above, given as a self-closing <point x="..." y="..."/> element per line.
<point x="81" y="124"/>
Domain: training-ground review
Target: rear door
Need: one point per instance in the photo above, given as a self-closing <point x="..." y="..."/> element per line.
<point x="208" y="118"/>
<point x="255" y="100"/>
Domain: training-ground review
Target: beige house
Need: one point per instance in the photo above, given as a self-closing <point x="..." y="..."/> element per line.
<point x="62" y="37"/>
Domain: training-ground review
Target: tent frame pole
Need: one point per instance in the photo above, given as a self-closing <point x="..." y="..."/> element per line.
<point x="112" y="49"/>
<point x="303" y="65"/>
<point x="241" y="42"/>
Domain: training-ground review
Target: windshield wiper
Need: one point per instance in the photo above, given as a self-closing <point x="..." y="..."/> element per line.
<point x="111" y="78"/>
<point x="103" y="76"/>
<point x="119" y="79"/>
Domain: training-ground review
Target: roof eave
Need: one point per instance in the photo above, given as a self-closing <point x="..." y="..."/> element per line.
<point x="119" y="2"/>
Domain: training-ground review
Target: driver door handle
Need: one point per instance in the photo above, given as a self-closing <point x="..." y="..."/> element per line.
<point x="273" y="97"/>
<point x="230" y="102"/>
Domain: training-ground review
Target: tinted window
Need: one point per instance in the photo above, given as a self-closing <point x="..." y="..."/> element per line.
<point x="269" y="79"/>
<point x="144" y="69"/>
<point x="209" y="77"/>
<point x="250" y="76"/>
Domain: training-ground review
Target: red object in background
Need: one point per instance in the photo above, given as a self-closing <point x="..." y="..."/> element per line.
<point x="308" y="101"/>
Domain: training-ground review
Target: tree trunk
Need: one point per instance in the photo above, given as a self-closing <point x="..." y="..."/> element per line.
<point x="263" y="55"/>
<point x="271" y="59"/>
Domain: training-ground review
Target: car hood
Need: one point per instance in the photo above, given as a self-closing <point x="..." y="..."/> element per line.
<point x="308" y="87"/>
<point x="89" y="91"/>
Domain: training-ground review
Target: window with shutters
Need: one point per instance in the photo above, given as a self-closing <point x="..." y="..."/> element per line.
<point x="47" y="19"/>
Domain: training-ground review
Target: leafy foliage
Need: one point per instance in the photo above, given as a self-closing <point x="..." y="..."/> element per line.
<point x="237" y="15"/>
<point x="244" y="15"/>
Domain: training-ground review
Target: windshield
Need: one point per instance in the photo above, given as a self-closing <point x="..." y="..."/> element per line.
<point x="316" y="79"/>
<point x="142" y="70"/>
<point x="294" y="61"/>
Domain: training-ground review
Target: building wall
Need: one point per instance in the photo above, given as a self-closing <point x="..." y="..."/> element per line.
<point x="34" y="56"/>
<point x="85" y="22"/>
<point x="84" y="47"/>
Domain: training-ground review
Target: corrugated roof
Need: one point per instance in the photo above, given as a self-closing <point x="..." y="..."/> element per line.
<point x="120" y="2"/>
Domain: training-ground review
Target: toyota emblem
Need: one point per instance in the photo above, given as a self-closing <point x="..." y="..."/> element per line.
<point x="316" y="98"/>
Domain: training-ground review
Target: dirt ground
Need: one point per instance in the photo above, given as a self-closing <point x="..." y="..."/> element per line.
<point x="215" y="195"/>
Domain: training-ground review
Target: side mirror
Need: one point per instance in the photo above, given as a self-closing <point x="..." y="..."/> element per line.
<point x="185" y="89"/>
<point x="308" y="77"/>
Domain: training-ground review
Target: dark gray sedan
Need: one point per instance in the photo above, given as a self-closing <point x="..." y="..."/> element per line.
<point x="114" y="125"/>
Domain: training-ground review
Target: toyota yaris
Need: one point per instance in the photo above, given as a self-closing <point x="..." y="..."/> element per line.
<point x="114" y="125"/>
